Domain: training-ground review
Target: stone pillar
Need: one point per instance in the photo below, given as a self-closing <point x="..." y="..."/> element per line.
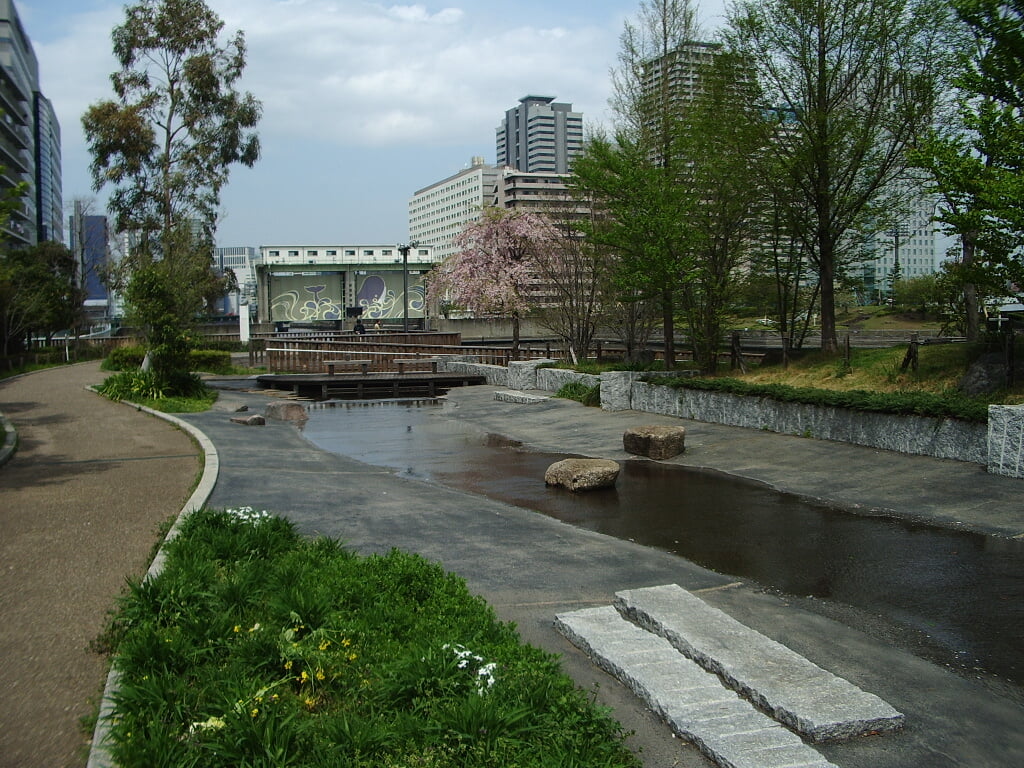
<point x="1006" y="440"/>
<point x="616" y="390"/>
<point x="522" y="374"/>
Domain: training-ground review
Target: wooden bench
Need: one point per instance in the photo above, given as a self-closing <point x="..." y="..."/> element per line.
<point x="364" y="365"/>
<point x="402" y="362"/>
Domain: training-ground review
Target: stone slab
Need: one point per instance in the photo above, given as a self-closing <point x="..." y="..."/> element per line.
<point x="655" y="441"/>
<point x="792" y="689"/>
<point x="518" y="397"/>
<point x="724" y="727"/>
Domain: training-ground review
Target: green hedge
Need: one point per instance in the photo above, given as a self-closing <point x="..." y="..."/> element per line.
<point x="205" y="360"/>
<point x="950" y="406"/>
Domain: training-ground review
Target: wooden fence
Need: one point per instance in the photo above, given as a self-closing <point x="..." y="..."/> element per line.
<point x="282" y="355"/>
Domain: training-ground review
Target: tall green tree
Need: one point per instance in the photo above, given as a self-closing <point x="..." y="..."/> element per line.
<point x="631" y="176"/>
<point x="976" y="158"/>
<point x="39" y="293"/>
<point x="854" y="83"/>
<point x="721" y="168"/>
<point x="165" y="145"/>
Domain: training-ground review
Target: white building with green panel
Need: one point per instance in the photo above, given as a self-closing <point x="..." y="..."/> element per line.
<point x="314" y="283"/>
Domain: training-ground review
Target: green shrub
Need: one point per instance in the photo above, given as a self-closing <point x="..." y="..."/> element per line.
<point x="210" y="361"/>
<point x="580" y="392"/>
<point x="205" y="360"/>
<point x="952" y="405"/>
<point x="139" y="386"/>
<point x="257" y="647"/>
<point x="124" y="358"/>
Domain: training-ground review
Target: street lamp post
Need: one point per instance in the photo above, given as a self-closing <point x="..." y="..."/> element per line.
<point x="403" y="249"/>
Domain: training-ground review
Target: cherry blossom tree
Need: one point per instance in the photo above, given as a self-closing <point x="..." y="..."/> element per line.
<point x="494" y="270"/>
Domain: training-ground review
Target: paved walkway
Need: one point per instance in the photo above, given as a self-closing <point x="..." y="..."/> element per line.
<point x="531" y="567"/>
<point x="80" y="504"/>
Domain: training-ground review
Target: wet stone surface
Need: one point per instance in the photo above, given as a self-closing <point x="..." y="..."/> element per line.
<point x="957" y="597"/>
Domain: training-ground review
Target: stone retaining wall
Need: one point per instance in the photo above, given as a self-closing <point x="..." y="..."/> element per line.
<point x="1006" y="440"/>
<point x="999" y="445"/>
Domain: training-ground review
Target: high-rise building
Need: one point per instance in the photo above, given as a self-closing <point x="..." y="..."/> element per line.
<point x="677" y="74"/>
<point x="540" y="135"/>
<point x="29" y="138"/>
<point x="908" y="249"/>
<point x="441" y="211"/>
<point x="90" y="243"/>
<point x="240" y="259"/>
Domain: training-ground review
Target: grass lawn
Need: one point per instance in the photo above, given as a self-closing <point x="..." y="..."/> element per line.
<point x="254" y="647"/>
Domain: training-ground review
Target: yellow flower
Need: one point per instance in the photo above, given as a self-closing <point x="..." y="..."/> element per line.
<point x="352" y="657"/>
<point x="254" y="712"/>
<point x="309" y="702"/>
<point x="320" y="675"/>
<point x="238" y="627"/>
<point x="346" y="642"/>
<point x="288" y="664"/>
<point x="304" y="676"/>
<point x="325" y="645"/>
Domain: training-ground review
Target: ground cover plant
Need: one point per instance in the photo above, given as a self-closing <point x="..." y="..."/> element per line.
<point x="255" y="647"/>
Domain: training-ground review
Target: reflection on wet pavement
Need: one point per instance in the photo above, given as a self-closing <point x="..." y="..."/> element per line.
<point x="964" y="592"/>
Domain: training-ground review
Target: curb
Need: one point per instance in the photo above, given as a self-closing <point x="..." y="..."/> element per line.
<point x="99" y="757"/>
<point x="9" y="446"/>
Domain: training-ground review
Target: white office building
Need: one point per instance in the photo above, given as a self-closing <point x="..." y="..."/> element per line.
<point x="440" y="212"/>
<point x="298" y="283"/>
<point x="913" y="242"/>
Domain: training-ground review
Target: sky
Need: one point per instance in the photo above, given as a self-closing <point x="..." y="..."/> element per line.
<point x="364" y="102"/>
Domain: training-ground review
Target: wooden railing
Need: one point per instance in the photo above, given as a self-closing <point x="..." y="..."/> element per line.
<point x="310" y="355"/>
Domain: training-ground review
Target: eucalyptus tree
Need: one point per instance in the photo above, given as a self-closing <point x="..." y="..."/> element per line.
<point x="853" y="84"/>
<point x="165" y="145"/>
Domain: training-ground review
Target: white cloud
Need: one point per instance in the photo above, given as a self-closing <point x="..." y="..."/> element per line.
<point x="426" y="82"/>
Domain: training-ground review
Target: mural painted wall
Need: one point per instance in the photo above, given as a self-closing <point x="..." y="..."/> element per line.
<point x="307" y="297"/>
<point x="380" y="294"/>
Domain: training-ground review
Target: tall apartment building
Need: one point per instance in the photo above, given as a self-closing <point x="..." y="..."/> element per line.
<point x="675" y="77"/>
<point x="540" y="135"/>
<point x="439" y="212"/>
<point x="29" y="138"/>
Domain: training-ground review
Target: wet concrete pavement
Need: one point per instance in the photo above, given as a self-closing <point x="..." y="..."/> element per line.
<point x="530" y="567"/>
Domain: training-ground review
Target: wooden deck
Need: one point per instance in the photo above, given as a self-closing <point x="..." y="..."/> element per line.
<point x="365" y="386"/>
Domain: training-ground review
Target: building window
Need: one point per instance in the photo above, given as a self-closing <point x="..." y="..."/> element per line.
<point x="367" y="252"/>
<point x="332" y="253"/>
<point x="274" y="253"/>
<point x="311" y="253"/>
<point x="350" y="252"/>
<point x="293" y="253"/>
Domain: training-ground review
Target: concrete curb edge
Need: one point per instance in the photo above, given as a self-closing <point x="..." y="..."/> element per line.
<point x="9" y="446"/>
<point x="99" y="757"/>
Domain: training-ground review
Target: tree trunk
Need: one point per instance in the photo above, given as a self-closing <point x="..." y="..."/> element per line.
<point x="668" y="323"/>
<point x="972" y="320"/>
<point x="515" y="336"/>
<point x="827" y="297"/>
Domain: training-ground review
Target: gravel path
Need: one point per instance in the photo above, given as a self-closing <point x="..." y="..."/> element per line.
<point x="80" y="504"/>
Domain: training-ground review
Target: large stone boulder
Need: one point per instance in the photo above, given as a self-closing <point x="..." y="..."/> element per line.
<point x="582" y="474"/>
<point x="655" y="441"/>
<point x="287" y="411"/>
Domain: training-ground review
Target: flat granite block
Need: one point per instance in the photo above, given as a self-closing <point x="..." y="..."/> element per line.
<point x="726" y="728"/>
<point x="792" y="689"/>
<point x="523" y="398"/>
